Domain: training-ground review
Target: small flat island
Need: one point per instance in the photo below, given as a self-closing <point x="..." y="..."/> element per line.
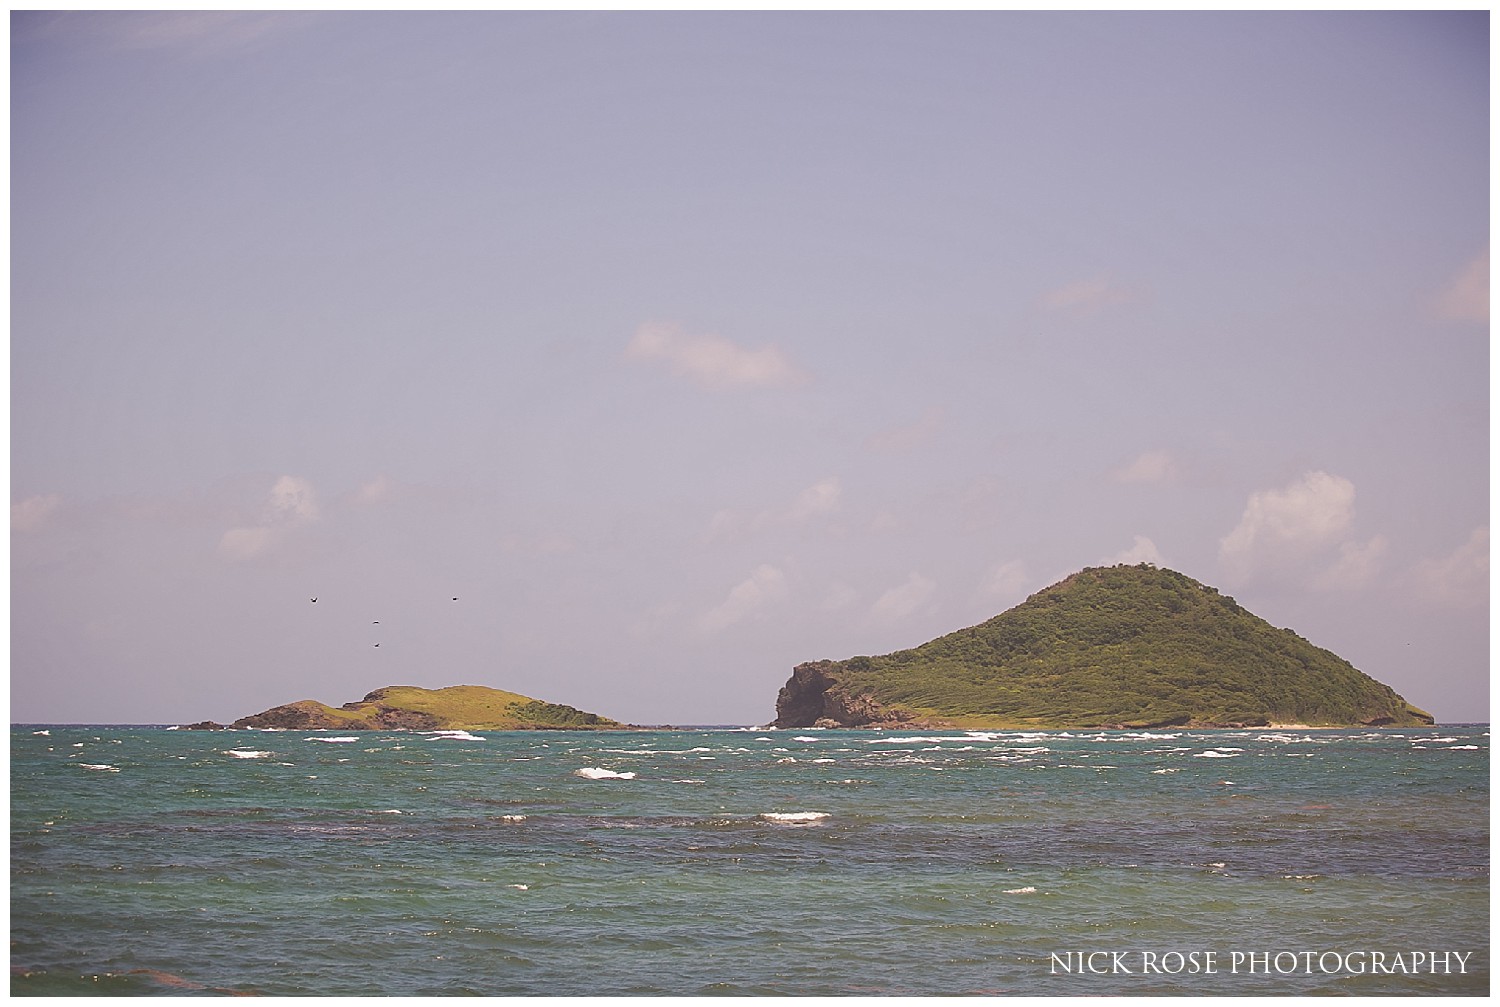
<point x="455" y="708"/>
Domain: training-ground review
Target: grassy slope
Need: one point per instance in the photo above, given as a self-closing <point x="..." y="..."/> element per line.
<point x="464" y="707"/>
<point x="1125" y="645"/>
<point x="471" y="706"/>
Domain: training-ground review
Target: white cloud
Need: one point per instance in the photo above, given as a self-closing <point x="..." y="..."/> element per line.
<point x="1467" y="298"/>
<point x="908" y="436"/>
<point x="1150" y="467"/>
<point x="657" y="623"/>
<point x="1142" y="550"/>
<point x="764" y="587"/>
<point x="1358" y="564"/>
<point x="839" y="597"/>
<point x="1086" y="297"/>
<point x="33" y="512"/>
<point x="1281" y="527"/>
<point x="1460" y="579"/>
<point x="240" y="544"/>
<point x="711" y="359"/>
<point x="551" y="543"/>
<point x="377" y="489"/>
<point x="819" y="500"/>
<point x="1005" y="583"/>
<point x="905" y="599"/>
<point x="291" y="503"/>
<point x="204" y="33"/>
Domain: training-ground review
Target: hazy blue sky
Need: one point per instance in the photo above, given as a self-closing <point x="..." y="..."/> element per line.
<point x="683" y="348"/>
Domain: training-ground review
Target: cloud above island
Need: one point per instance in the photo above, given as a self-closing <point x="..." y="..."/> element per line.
<point x="712" y="360"/>
<point x="820" y="500"/>
<point x="1142" y="550"/>
<point x="1467" y="296"/>
<point x="1085" y="298"/>
<point x="291" y="503"/>
<point x="1148" y="467"/>
<point x="1461" y="579"/>
<point x="765" y="586"/>
<point x="33" y="512"/>
<point x="906" y="599"/>
<point x="1293" y="529"/>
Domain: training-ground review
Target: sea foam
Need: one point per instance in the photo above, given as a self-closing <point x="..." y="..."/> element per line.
<point x="333" y="741"/>
<point x="794" y="817"/>
<point x="593" y="773"/>
<point x="239" y="754"/>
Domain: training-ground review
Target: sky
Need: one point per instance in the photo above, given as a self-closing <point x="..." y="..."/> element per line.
<point x="629" y="360"/>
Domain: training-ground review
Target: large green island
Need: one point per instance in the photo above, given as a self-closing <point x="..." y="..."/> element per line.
<point x="455" y="708"/>
<point x="1108" y="647"/>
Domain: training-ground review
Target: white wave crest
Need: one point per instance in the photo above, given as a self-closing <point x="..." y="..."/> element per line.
<point x="916" y="741"/>
<point x="453" y="736"/>
<point x="333" y="741"/>
<point x="594" y="773"/>
<point x="1019" y="891"/>
<point x="1214" y="755"/>
<point x="794" y="817"/>
<point x="98" y="767"/>
<point x="242" y="754"/>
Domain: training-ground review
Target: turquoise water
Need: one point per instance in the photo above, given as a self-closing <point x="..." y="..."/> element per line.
<point x="149" y="861"/>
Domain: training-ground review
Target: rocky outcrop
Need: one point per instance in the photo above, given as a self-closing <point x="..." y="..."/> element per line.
<point x="310" y="715"/>
<point x="305" y="715"/>
<point x="813" y="697"/>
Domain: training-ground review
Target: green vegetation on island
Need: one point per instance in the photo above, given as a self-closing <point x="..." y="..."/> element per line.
<point x="1123" y="646"/>
<point x="455" y="708"/>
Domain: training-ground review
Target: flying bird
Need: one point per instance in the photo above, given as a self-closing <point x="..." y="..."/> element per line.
<point x="315" y="601"/>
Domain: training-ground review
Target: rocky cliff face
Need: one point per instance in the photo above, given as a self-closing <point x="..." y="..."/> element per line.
<point x="813" y="697"/>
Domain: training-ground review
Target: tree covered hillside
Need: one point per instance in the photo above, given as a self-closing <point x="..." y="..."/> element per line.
<point x="1128" y="646"/>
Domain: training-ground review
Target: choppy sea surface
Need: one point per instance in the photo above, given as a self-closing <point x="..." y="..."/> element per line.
<point x="745" y="861"/>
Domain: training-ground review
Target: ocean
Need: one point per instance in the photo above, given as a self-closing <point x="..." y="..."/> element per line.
<point x="148" y="861"/>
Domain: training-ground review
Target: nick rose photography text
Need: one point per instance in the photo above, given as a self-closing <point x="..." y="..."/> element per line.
<point x="1260" y="962"/>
